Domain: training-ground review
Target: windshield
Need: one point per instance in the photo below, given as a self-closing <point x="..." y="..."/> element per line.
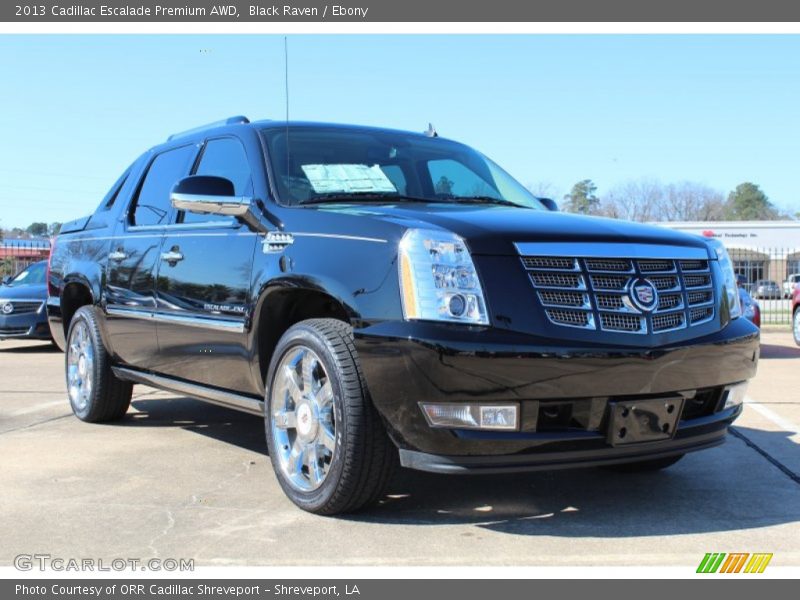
<point x="34" y="274"/>
<point x="322" y="164"/>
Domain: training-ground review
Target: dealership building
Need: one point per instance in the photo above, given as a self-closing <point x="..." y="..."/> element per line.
<point x="759" y="249"/>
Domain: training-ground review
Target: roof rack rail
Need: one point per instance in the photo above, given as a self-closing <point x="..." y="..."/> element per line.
<point x="237" y="120"/>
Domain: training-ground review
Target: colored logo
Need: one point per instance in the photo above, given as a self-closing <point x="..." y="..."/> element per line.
<point x="708" y="233"/>
<point x="735" y="562"/>
<point x="7" y="308"/>
<point x="644" y="295"/>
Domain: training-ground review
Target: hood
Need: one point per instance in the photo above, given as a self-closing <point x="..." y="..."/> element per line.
<point x="492" y="230"/>
<point x="34" y="291"/>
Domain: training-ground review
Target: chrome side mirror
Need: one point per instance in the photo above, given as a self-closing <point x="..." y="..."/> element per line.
<point x="211" y="195"/>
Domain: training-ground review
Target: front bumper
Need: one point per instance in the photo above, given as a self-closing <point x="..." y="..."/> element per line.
<point x="408" y="363"/>
<point x="31" y="326"/>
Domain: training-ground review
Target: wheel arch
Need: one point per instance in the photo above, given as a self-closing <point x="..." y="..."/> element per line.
<point x="76" y="292"/>
<point x="283" y="304"/>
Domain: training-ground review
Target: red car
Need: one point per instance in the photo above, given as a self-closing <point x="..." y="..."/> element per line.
<point x="796" y="314"/>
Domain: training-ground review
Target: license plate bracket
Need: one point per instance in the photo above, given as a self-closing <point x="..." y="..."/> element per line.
<point x="647" y="420"/>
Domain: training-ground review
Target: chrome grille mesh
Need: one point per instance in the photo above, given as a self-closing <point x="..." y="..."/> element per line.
<point x="594" y="293"/>
<point x="19" y="307"/>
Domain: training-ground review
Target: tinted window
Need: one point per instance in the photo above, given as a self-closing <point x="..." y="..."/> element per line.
<point x="452" y="178"/>
<point x="226" y="158"/>
<point x="152" y="204"/>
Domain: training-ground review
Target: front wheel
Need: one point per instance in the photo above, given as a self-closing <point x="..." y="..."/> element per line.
<point x="326" y="441"/>
<point x="796" y="326"/>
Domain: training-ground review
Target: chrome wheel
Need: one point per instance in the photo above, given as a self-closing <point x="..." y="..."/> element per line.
<point x="80" y="366"/>
<point x="302" y="419"/>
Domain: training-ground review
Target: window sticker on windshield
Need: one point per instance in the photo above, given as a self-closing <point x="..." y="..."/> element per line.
<point x="348" y="179"/>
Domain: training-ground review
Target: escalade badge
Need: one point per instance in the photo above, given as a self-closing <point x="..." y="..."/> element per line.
<point x="7" y="308"/>
<point x="644" y="295"/>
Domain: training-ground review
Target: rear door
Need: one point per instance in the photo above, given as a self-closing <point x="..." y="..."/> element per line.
<point x="134" y="257"/>
<point x="204" y="283"/>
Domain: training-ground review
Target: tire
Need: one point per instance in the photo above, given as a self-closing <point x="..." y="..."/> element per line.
<point x="327" y="444"/>
<point x="643" y="466"/>
<point x="796" y="326"/>
<point x="95" y="394"/>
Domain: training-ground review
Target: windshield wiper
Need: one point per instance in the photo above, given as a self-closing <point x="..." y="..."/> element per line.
<point x="483" y="200"/>
<point x="365" y="197"/>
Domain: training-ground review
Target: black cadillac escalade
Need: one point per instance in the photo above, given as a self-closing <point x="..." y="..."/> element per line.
<point x="381" y="296"/>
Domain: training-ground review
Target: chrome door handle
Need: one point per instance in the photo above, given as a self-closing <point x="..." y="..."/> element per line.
<point x="117" y="256"/>
<point x="172" y="256"/>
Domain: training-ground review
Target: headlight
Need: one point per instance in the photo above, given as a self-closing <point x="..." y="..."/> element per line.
<point x="728" y="279"/>
<point x="438" y="281"/>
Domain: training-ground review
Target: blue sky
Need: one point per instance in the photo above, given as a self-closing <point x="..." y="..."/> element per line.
<point x="719" y="110"/>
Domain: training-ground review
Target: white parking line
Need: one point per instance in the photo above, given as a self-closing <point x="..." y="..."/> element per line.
<point x="778" y="420"/>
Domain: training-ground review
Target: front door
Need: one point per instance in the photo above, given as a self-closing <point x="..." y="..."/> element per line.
<point x="204" y="284"/>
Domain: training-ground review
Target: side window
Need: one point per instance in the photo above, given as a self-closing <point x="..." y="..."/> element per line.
<point x="152" y="203"/>
<point x="223" y="157"/>
<point x="452" y="178"/>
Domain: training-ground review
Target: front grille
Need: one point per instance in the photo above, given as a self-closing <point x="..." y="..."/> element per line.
<point x="596" y="293"/>
<point x="700" y="315"/>
<point x="559" y="298"/>
<point x="666" y="321"/>
<point x="694" y="281"/>
<point x="607" y="264"/>
<point x="571" y="318"/>
<point x="656" y="266"/>
<point x="669" y="301"/>
<point x="558" y="280"/>
<point x="548" y="262"/>
<point x="627" y="323"/>
<point x="21" y="307"/>
<point x="609" y="282"/>
<point x="609" y="302"/>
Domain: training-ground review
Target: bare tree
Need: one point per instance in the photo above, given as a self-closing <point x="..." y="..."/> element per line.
<point x="649" y="200"/>
<point x="689" y="201"/>
<point x="634" y="201"/>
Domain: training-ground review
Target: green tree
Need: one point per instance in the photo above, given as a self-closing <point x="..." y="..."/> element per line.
<point x="37" y="229"/>
<point x="54" y="228"/>
<point x="749" y="203"/>
<point x="582" y="198"/>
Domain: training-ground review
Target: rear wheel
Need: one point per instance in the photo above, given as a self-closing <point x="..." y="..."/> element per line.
<point x="641" y="466"/>
<point x="95" y="393"/>
<point x="327" y="444"/>
<point x="796" y="325"/>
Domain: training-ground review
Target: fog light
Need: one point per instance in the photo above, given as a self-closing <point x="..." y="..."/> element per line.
<point x="736" y="395"/>
<point x="472" y="416"/>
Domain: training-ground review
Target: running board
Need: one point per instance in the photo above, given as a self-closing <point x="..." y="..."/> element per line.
<point x="207" y="394"/>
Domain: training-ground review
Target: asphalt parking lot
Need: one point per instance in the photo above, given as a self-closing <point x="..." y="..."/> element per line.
<point x="180" y="478"/>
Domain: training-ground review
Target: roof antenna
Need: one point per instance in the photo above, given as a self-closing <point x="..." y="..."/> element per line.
<point x="286" y="89"/>
<point x="431" y="131"/>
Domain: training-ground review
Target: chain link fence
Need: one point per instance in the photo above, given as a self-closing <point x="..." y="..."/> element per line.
<point x="17" y="254"/>
<point x="768" y="275"/>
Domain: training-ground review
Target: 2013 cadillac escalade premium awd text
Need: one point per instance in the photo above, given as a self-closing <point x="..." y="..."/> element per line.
<point x="380" y="295"/>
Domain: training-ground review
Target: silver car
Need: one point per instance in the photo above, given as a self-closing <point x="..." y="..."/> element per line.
<point x="767" y="289"/>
